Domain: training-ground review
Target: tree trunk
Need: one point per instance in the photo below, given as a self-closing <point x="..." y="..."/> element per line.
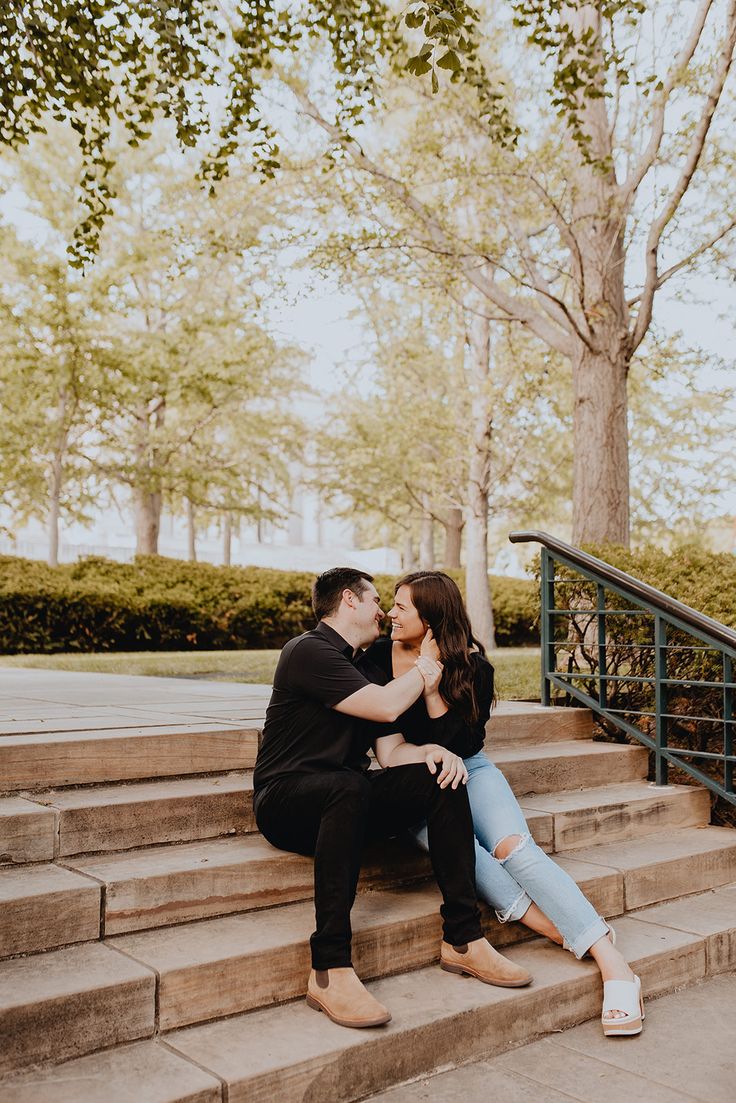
<point x="54" y="509"/>
<point x="53" y="522"/>
<point x="600" y="363"/>
<point x="426" y="539"/>
<point x="477" y="585"/>
<point x="147" y="493"/>
<point x="191" y="533"/>
<point x="147" y="507"/>
<point x="56" y="480"/>
<point x="601" y="454"/>
<point x="227" y="540"/>
<point x="453" y="537"/>
<point x="408" y="558"/>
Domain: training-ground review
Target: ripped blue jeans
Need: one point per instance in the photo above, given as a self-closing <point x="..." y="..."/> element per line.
<point x="510" y="884"/>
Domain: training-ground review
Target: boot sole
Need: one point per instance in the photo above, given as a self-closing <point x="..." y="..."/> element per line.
<point x="354" y="1023"/>
<point x="464" y="972"/>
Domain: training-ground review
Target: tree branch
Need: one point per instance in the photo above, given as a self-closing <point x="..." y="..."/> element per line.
<point x="689" y="259"/>
<point x="551" y="333"/>
<point x="692" y="159"/>
<point x="679" y="66"/>
<point x="550" y="303"/>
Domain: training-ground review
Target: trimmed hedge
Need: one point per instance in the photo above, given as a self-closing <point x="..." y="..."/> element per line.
<point x="704" y="580"/>
<point x="172" y="605"/>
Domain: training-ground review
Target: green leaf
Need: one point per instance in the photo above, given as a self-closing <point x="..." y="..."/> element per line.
<point x="450" y="61"/>
<point x="418" y="65"/>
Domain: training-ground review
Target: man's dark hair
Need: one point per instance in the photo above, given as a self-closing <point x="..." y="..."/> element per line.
<point x="328" y="587"/>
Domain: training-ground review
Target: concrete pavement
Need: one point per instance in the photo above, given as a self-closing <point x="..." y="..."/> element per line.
<point x="686" y="1052"/>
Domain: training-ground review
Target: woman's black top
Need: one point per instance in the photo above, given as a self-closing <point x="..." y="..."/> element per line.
<point x="416" y="725"/>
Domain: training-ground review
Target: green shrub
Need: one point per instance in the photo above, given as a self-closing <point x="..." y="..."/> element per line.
<point x="168" y="604"/>
<point x="704" y="580"/>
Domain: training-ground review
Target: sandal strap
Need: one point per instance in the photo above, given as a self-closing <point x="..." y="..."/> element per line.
<point x="622" y="995"/>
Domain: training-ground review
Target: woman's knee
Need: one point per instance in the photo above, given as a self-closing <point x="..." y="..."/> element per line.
<point x="508" y="845"/>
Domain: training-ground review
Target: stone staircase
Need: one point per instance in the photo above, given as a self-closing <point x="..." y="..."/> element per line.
<point x="152" y="940"/>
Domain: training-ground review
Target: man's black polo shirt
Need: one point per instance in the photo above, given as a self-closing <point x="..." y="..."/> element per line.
<point x="303" y="733"/>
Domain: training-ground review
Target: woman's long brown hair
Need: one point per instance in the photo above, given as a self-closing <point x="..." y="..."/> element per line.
<point x="439" y="603"/>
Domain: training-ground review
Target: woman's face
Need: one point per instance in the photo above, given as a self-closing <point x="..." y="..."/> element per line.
<point x="406" y="624"/>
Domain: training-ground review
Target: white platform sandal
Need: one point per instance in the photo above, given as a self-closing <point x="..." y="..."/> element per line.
<point x="622" y="995"/>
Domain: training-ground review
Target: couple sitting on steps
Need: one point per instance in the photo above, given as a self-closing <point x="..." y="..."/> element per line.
<point x="421" y="700"/>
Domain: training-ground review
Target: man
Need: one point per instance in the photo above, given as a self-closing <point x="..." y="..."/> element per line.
<point x="314" y="794"/>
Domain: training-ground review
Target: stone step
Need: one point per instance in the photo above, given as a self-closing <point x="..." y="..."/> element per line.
<point x="236" y="963"/>
<point x="27" y="831"/>
<point x="614" y="813"/>
<point x="712" y="915"/>
<point x="76" y="752"/>
<point x="32" y="762"/>
<point x="281" y="1049"/>
<point x="44" y="906"/>
<point x="117" y="817"/>
<point x="292" y="1053"/>
<point x="572" y="764"/>
<point x="669" y="1062"/>
<point x="97" y="819"/>
<point x="121" y="817"/>
<point x="665" y="865"/>
<point x="70" y="1002"/>
<point x="519" y="722"/>
<point x="224" y="966"/>
<point x="174" y="884"/>
<point x="112" y="818"/>
<point x="140" y="1072"/>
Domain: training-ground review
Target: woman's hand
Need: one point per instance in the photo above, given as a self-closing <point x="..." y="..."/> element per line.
<point x="453" y="770"/>
<point x="431" y="672"/>
<point x="428" y="646"/>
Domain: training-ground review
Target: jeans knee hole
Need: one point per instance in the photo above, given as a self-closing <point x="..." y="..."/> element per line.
<point x="521" y="841"/>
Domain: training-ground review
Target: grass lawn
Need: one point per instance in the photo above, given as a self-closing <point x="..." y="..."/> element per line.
<point x="517" y="668"/>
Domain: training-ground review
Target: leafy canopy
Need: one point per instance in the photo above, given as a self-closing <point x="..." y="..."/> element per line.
<point x="91" y="63"/>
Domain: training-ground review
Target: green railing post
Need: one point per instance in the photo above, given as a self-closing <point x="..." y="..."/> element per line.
<point x="549" y="661"/>
<point x="661" y="765"/>
<point x="602" y="685"/>
<point x="647" y="722"/>
<point x="728" y="722"/>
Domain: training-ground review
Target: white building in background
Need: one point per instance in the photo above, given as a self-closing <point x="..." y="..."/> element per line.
<point x="311" y="539"/>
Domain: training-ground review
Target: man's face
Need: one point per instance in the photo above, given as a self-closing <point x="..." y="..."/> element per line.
<point x="368" y="615"/>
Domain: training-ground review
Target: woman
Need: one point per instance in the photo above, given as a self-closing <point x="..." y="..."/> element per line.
<point x="513" y="874"/>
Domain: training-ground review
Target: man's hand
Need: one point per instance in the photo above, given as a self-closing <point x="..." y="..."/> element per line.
<point x="453" y="770"/>
<point x="428" y="647"/>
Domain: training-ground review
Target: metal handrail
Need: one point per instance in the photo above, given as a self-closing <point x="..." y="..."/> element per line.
<point x="635" y="587"/>
<point x="667" y="613"/>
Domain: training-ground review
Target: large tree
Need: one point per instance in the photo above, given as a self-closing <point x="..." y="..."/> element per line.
<point x="94" y="64"/>
<point x="447" y="431"/>
<point x="621" y="179"/>
<point x="54" y="376"/>
<point x="202" y="415"/>
<point x="155" y="369"/>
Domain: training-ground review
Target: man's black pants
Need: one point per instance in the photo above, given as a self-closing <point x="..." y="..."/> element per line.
<point x="331" y="815"/>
